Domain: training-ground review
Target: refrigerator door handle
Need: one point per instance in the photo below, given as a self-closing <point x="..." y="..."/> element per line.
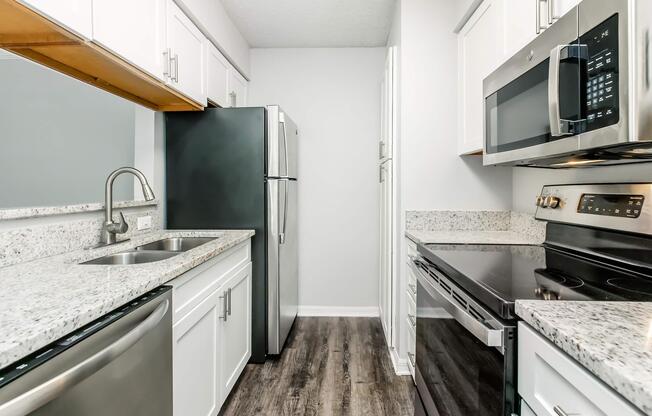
<point x="281" y="120"/>
<point x="281" y="235"/>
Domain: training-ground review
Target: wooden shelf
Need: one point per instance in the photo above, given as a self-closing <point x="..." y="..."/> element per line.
<point x="28" y="34"/>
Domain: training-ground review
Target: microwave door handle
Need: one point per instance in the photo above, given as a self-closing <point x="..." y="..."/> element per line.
<point x="554" y="112"/>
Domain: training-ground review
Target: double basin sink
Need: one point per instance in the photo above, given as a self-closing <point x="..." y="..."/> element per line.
<point x="151" y="252"/>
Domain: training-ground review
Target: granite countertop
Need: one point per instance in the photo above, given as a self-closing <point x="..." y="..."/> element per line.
<point x="613" y="340"/>
<point x="471" y="237"/>
<point x="46" y="299"/>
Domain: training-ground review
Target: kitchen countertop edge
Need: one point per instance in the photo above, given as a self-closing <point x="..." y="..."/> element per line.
<point x="107" y="287"/>
<point x="607" y="338"/>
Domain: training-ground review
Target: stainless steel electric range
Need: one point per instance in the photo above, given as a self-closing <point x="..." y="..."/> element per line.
<point x="598" y="247"/>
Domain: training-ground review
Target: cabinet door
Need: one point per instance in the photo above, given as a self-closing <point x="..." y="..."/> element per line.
<point x="235" y="345"/>
<point x="237" y="89"/>
<point x="196" y="359"/>
<point x="217" y="76"/>
<point x="520" y="24"/>
<point x="386" y="281"/>
<point x="74" y="15"/>
<point x="138" y="35"/>
<point x="186" y="46"/>
<point x="561" y="7"/>
<point x="481" y="49"/>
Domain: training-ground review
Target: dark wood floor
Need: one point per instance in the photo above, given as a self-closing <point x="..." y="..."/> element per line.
<point x="330" y="366"/>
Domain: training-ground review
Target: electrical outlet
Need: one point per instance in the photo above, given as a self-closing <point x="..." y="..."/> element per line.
<point x="144" y="223"/>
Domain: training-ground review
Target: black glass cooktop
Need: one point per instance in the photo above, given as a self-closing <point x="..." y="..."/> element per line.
<point x="498" y="275"/>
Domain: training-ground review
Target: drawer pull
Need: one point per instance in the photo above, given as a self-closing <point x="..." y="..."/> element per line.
<point x="561" y="411"/>
<point x="413" y="289"/>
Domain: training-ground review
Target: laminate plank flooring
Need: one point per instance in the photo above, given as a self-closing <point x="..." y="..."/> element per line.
<point x="329" y="367"/>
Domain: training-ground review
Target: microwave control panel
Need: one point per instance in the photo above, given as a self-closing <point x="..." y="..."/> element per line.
<point x="601" y="107"/>
<point x="628" y="206"/>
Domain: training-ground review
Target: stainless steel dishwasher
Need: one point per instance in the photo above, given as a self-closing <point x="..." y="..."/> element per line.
<point x="119" y="364"/>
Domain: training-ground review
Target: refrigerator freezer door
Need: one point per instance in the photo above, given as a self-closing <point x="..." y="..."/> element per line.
<point x="283" y="282"/>
<point x="282" y="144"/>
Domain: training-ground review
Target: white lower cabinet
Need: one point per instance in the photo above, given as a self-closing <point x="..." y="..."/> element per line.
<point x="411" y="302"/>
<point x="196" y="367"/>
<point x="211" y="332"/>
<point x="553" y="384"/>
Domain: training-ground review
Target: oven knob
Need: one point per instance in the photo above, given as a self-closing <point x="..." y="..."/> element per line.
<point x="552" y="201"/>
<point x="539" y="201"/>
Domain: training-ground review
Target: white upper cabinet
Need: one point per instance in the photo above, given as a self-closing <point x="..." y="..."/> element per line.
<point x="185" y="64"/>
<point x="561" y="7"/>
<point x="74" y="15"/>
<point x="237" y="89"/>
<point x="480" y="51"/>
<point x="217" y="76"/>
<point x="134" y="30"/>
<point x="522" y="27"/>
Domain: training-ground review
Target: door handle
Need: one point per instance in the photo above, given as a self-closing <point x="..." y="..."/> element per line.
<point x="39" y="396"/>
<point x="551" y="11"/>
<point x="228" y="308"/>
<point x="281" y="236"/>
<point x="537" y="15"/>
<point x="224" y="315"/>
<point x="281" y="119"/>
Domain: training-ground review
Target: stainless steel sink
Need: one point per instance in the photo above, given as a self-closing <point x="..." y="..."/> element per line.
<point x="177" y="244"/>
<point x="133" y="257"/>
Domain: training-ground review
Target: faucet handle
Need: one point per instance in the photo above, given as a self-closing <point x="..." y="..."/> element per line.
<point x="119" y="227"/>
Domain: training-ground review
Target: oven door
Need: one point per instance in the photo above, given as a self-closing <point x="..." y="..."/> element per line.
<point x="533" y="99"/>
<point x="464" y="356"/>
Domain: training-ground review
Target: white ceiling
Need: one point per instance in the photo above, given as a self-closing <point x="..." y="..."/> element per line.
<point x="312" y="23"/>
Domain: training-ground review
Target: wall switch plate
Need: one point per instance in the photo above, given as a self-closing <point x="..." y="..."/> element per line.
<point x="144" y="223"/>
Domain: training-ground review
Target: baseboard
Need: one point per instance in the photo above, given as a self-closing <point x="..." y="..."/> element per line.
<point x="345" y="311"/>
<point x="401" y="367"/>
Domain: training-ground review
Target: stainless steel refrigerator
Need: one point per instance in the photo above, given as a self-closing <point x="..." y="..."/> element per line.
<point x="236" y="168"/>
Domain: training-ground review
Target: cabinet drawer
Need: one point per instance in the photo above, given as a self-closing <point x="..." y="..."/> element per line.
<point x="411" y="348"/>
<point x="193" y="286"/>
<point x="549" y="379"/>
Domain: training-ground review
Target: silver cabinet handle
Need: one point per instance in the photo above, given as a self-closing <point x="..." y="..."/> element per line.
<point x="234" y="98"/>
<point x="551" y="11"/>
<point x="413" y="320"/>
<point x="380" y="174"/>
<point x="411" y="358"/>
<point x="229" y="301"/>
<point x="381" y="149"/>
<point x="225" y="313"/>
<point x="537" y="15"/>
<point x="413" y="289"/>
<point x="560" y="411"/>
<point x="175" y="78"/>
<point x="167" y="56"/>
<point x="39" y="396"/>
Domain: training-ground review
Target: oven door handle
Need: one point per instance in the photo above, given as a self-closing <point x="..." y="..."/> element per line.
<point x="488" y="336"/>
<point x="39" y="396"/>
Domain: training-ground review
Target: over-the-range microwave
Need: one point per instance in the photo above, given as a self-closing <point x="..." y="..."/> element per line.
<point x="577" y="95"/>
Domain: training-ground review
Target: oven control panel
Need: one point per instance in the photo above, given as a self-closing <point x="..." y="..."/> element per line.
<point x="617" y="206"/>
<point x="628" y="206"/>
<point x="601" y="75"/>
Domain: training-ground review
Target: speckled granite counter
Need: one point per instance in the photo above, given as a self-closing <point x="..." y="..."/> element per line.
<point x="46" y="299"/>
<point x="613" y="340"/>
<point x="471" y="237"/>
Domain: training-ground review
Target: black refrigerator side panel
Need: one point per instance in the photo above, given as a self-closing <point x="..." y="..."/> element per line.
<point x="215" y="175"/>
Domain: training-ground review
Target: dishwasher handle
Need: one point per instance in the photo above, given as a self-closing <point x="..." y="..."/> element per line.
<point x="39" y="396"/>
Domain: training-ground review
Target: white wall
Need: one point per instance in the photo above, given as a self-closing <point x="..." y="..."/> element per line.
<point x="527" y="182"/>
<point x="334" y="97"/>
<point x="434" y="177"/>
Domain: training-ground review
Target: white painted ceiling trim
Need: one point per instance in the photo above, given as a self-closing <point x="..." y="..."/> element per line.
<point x="312" y="23"/>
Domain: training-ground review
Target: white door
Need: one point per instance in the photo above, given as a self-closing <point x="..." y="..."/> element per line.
<point x="481" y="49"/>
<point x="237" y="89"/>
<point x="134" y="30"/>
<point x="386" y="252"/>
<point x="186" y="55"/>
<point x="217" y="76"/>
<point x="235" y="344"/>
<point x="75" y="15"/>
<point x="196" y="362"/>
